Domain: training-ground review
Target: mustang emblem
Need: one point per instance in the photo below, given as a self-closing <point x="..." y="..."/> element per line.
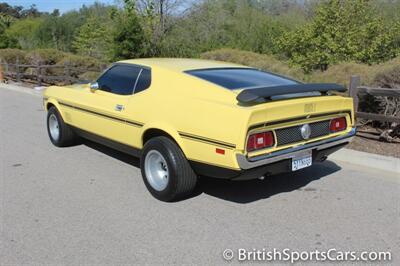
<point x="305" y="131"/>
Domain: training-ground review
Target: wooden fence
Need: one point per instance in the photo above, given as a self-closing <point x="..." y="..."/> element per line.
<point x="46" y="74"/>
<point x="68" y="73"/>
<point x="355" y="89"/>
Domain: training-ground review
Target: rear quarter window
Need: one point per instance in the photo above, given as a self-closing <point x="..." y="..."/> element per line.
<point x="144" y="80"/>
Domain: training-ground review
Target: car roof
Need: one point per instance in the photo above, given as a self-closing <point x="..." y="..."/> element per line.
<point x="181" y="64"/>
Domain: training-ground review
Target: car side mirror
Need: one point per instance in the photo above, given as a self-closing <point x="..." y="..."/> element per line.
<point x="94" y="86"/>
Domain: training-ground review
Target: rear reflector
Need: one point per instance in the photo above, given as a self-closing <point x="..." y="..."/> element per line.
<point x="338" y="124"/>
<point x="260" y="141"/>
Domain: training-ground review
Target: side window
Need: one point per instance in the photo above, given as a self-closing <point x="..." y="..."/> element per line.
<point x="119" y="79"/>
<point x="144" y="80"/>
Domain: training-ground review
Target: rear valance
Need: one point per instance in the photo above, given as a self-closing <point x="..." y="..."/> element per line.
<point x="251" y="95"/>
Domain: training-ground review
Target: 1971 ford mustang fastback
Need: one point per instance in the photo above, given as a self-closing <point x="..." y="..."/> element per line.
<point x="187" y="118"/>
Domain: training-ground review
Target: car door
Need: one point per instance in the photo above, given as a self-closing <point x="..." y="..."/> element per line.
<point x="102" y="111"/>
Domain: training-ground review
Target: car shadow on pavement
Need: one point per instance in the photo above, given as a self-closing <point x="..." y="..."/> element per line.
<point x="253" y="190"/>
<point x="241" y="191"/>
<point x="123" y="157"/>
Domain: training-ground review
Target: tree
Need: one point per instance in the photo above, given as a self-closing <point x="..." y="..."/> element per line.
<point x="127" y="34"/>
<point x="340" y="31"/>
<point x="19" y="11"/>
<point x="157" y="18"/>
<point x="92" y="39"/>
<point x="58" y="32"/>
<point x="5" y="23"/>
<point x="32" y="11"/>
<point x="22" y="32"/>
<point x="215" y="24"/>
<point x="6" y="9"/>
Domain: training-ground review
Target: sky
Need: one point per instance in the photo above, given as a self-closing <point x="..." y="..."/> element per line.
<point x="50" y="5"/>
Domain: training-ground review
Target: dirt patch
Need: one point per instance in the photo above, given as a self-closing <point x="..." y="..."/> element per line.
<point x="375" y="146"/>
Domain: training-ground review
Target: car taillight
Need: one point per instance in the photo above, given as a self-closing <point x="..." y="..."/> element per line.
<point x="260" y="141"/>
<point x="338" y="124"/>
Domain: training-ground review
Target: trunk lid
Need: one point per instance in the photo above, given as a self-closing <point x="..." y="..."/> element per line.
<point x="290" y="110"/>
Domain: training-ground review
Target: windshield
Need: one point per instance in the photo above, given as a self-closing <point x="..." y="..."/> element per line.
<point x="239" y="78"/>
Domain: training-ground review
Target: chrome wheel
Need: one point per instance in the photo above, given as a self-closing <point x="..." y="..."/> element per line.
<point x="54" y="127"/>
<point x="156" y="170"/>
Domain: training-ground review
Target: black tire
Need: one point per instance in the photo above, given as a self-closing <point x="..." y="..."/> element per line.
<point x="181" y="177"/>
<point x="67" y="136"/>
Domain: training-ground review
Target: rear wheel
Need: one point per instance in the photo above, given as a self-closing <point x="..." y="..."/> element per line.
<point x="165" y="170"/>
<point x="60" y="134"/>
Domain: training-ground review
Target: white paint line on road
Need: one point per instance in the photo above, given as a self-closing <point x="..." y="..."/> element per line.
<point x="370" y="160"/>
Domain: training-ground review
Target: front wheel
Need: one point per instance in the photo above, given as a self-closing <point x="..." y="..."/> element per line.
<point x="165" y="170"/>
<point x="60" y="134"/>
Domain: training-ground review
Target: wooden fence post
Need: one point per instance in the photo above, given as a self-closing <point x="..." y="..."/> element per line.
<point x="39" y="74"/>
<point x="355" y="82"/>
<point x="17" y="70"/>
<point x="67" y="72"/>
<point x="5" y="68"/>
<point x="1" y="71"/>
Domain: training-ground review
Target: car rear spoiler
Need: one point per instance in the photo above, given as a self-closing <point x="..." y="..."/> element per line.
<point x="250" y="95"/>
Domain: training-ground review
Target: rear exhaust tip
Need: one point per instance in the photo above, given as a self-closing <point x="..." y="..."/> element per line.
<point x="323" y="158"/>
<point x="264" y="176"/>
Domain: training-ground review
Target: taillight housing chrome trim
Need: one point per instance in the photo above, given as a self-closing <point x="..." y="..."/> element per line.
<point x="260" y="140"/>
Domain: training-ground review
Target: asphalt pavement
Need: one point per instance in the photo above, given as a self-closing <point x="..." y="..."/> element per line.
<point x="88" y="205"/>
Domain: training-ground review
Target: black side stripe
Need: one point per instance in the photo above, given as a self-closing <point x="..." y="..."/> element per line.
<point x="133" y="123"/>
<point x="207" y="140"/>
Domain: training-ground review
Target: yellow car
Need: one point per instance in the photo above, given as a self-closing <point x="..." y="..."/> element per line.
<point x="186" y="118"/>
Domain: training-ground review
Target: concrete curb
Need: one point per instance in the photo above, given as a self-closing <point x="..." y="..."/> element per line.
<point x="366" y="159"/>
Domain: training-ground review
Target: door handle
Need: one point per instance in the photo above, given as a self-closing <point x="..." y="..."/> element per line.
<point x="119" y="107"/>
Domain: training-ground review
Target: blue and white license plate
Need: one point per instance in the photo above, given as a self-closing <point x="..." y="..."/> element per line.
<point x="301" y="161"/>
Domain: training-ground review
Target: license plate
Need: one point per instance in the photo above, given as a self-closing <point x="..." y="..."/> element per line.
<point x="301" y="161"/>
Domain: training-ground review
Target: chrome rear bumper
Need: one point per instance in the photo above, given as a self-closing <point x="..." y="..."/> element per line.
<point x="248" y="163"/>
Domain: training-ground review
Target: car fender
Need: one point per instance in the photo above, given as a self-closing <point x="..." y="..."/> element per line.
<point x="47" y="101"/>
<point x="167" y="128"/>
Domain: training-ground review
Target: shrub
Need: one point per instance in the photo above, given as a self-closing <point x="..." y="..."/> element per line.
<point x="341" y="74"/>
<point x="80" y="64"/>
<point x="371" y="75"/>
<point x="45" y="56"/>
<point x="389" y="78"/>
<point x="10" y="56"/>
<point x="90" y="75"/>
